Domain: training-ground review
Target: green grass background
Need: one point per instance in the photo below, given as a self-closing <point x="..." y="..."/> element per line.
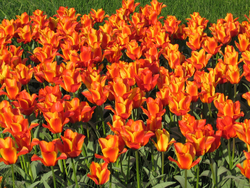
<point x="210" y="9"/>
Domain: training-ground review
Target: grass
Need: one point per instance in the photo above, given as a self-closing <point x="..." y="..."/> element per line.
<point x="210" y="9"/>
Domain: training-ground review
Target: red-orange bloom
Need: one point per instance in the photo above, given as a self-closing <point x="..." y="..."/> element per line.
<point x="55" y="121"/>
<point x="134" y="134"/>
<point x="243" y="132"/>
<point x="245" y="169"/>
<point x="112" y="147"/>
<point x="25" y="102"/>
<point x="8" y="151"/>
<point x="211" y="46"/>
<point x="200" y="141"/>
<point x="154" y="108"/>
<point x="134" y="51"/>
<point x="49" y="153"/>
<point x="163" y="140"/>
<point x="227" y="107"/>
<point x="185" y="155"/>
<point x="247" y="97"/>
<point x="99" y="173"/>
<point x="72" y="143"/>
<point x="145" y="79"/>
<point x="79" y="111"/>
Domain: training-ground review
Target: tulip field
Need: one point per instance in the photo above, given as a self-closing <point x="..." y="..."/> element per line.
<point x="129" y="99"/>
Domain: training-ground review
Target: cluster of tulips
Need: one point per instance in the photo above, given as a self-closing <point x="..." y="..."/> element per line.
<point x="132" y="67"/>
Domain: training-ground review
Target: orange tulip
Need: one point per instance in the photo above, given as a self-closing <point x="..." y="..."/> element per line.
<point x="243" y="132"/>
<point x="99" y="173"/>
<point x="26" y="102"/>
<point x="145" y="79"/>
<point x="163" y="140"/>
<point x="134" y="134"/>
<point x="55" y="121"/>
<point x="247" y="97"/>
<point x="80" y="111"/>
<point x="134" y="51"/>
<point x="226" y="124"/>
<point x="179" y="103"/>
<point x="200" y="141"/>
<point x="154" y="108"/>
<point x="72" y="143"/>
<point x="245" y="169"/>
<point x="185" y="155"/>
<point x="8" y="151"/>
<point x="227" y="107"/>
<point x="189" y="124"/>
<point x="244" y="42"/>
<point x="199" y="59"/>
<point x="112" y="147"/>
<point x="211" y="46"/>
<point x="49" y="152"/>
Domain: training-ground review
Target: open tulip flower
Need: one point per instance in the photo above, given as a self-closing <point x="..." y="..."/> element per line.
<point x="245" y="169"/>
<point x="134" y="134"/>
<point x="8" y="151"/>
<point x="185" y="155"/>
<point x="72" y="143"/>
<point x="163" y="140"/>
<point x="49" y="152"/>
<point x="99" y="173"/>
<point x="112" y="147"/>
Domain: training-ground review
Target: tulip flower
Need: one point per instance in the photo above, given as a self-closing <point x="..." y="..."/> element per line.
<point x="112" y="147"/>
<point x="245" y="169"/>
<point x="55" y="121"/>
<point x="155" y="108"/>
<point x="243" y="132"/>
<point x="26" y="102"/>
<point x="200" y="141"/>
<point x="49" y="152"/>
<point x="8" y="151"/>
<point x="185" y="155"/>
<point x="163" y="140"/>
<point x="99" y="173"/>
<point x="134" y="134"/>
<point x="72" y="143"/>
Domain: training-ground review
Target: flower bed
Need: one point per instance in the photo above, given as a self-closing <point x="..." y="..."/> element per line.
<point x="131" y="99"/>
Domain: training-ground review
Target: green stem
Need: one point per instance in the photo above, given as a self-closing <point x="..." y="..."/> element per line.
<point x="54" y="178"/>
<point x="233" y="151"/>
<point x="64" y="164"/>
<point x="229" y="154"/>
<point x="212" y="170"/>
<point x="85" y="154"/>
<point x="235" y="88"/>
<point x="185" y="178"/>
<point x="13" y="176"/>
<point x="162" y="164"/>
<point x="128" y="171"/>
<point x="102" y="120"/>
<point x="24" y="164"/>
<point x="198" y="176"/>
<point x="137" y="169"/>
<point x="30" y="172"/>
<point x="152" y="157"/>
<point x="27" y="88"/>
<point x="74" y="170"/>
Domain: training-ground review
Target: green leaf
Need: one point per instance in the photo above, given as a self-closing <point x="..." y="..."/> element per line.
<point x="33" y="184"/>
<point x="181" y="180"/>
<point x="36" y="168"/>
<point x="206" y="173"/>
<point x="164" y="184"/>
<point x="222" y="170"/>
<point x="196" y="115"/>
